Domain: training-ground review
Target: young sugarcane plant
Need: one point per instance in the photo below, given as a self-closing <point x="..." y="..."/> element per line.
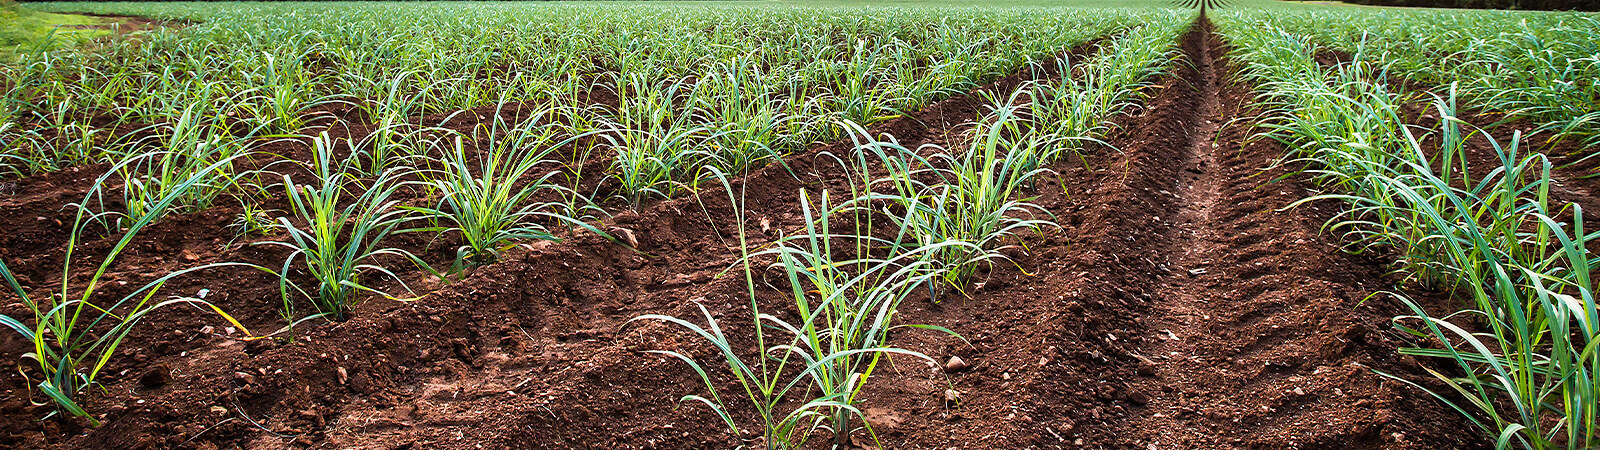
<point x="658" y="148"/>
<point x="847" y="328"/>
<point x="486" y="200"/>
<point x="192" y="150"/>
<point x="975" y="199"/>
<point x="809" y="377"/>
<point x="388" y="142"/>
<point x="338" y="245"/>
<point x="750" y="121"/>
<point x="284" y="98"/>
<point x="15" y="161"/>
<point x="75" y="332"/>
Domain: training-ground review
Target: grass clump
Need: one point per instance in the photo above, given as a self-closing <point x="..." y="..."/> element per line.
<point x="335" y="232"/>
<point x="490" y="200"/>
<point x="809" y="370"/>
<point x="969" y="205"/>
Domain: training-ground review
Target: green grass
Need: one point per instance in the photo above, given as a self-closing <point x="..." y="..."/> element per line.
<point x="338" y="225"/>
<point x="21" y="28"/>
<point x="199" y="10"/>
<point x="1536" y="66"/>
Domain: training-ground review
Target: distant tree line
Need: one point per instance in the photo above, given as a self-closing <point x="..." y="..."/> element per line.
<point x="1544" y="5"/>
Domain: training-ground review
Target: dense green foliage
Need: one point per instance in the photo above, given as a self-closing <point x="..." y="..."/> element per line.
<point x="764" y="80"/>
<point x="1547" y="5"/>
<point x="1542" y="67"/>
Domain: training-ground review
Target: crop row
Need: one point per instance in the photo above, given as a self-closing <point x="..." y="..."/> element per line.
<point x="497" y="184"/>
<point x="1541" y="67"/>
<point x="682" y="76"/>
<point x="946" y="214"/>
<point x="1524" y="350"/>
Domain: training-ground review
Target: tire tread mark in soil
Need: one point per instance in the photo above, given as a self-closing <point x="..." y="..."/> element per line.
<point x="1255" y="335"/>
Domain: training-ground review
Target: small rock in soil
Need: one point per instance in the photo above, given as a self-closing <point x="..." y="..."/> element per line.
<point x="1148" y="370"/>
<point x="1138" y="398"/>
<point x="951" y="398"/>
<point x="626" y="235"/>
<point x="955" y="364"/>
<point x="157" y="376"/>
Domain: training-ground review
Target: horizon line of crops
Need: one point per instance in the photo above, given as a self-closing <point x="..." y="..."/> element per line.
<point x="271" y="69"/>
<point x="1526" y="346"/>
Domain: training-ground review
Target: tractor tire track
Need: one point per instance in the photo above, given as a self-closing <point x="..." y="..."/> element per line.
<point x="1255" y="333"/>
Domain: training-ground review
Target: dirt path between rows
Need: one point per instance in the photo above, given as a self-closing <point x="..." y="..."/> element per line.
<point x="1260" y="336"/>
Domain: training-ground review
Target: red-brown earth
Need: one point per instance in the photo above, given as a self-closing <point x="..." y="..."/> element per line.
<point x="1179" y="305"/>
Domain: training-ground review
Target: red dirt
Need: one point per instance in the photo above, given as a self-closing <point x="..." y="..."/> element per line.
<point x="1258" y="339"/>
<point x="532" y="351"/>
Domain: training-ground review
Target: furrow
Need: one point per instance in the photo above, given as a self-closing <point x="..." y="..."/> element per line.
<point x="1254" y="332"/>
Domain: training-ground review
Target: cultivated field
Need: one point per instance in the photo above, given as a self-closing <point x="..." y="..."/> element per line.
<point x="800" y="225"/>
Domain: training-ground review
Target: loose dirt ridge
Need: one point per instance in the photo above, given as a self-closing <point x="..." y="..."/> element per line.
<point x="1179" y="306"/>
<point x="1259" y="335"/>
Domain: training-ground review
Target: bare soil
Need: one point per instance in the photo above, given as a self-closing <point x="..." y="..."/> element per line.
<point x="1178" y="305"/>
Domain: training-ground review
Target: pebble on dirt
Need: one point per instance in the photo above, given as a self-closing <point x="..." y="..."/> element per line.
<point x="955" y="365"/>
